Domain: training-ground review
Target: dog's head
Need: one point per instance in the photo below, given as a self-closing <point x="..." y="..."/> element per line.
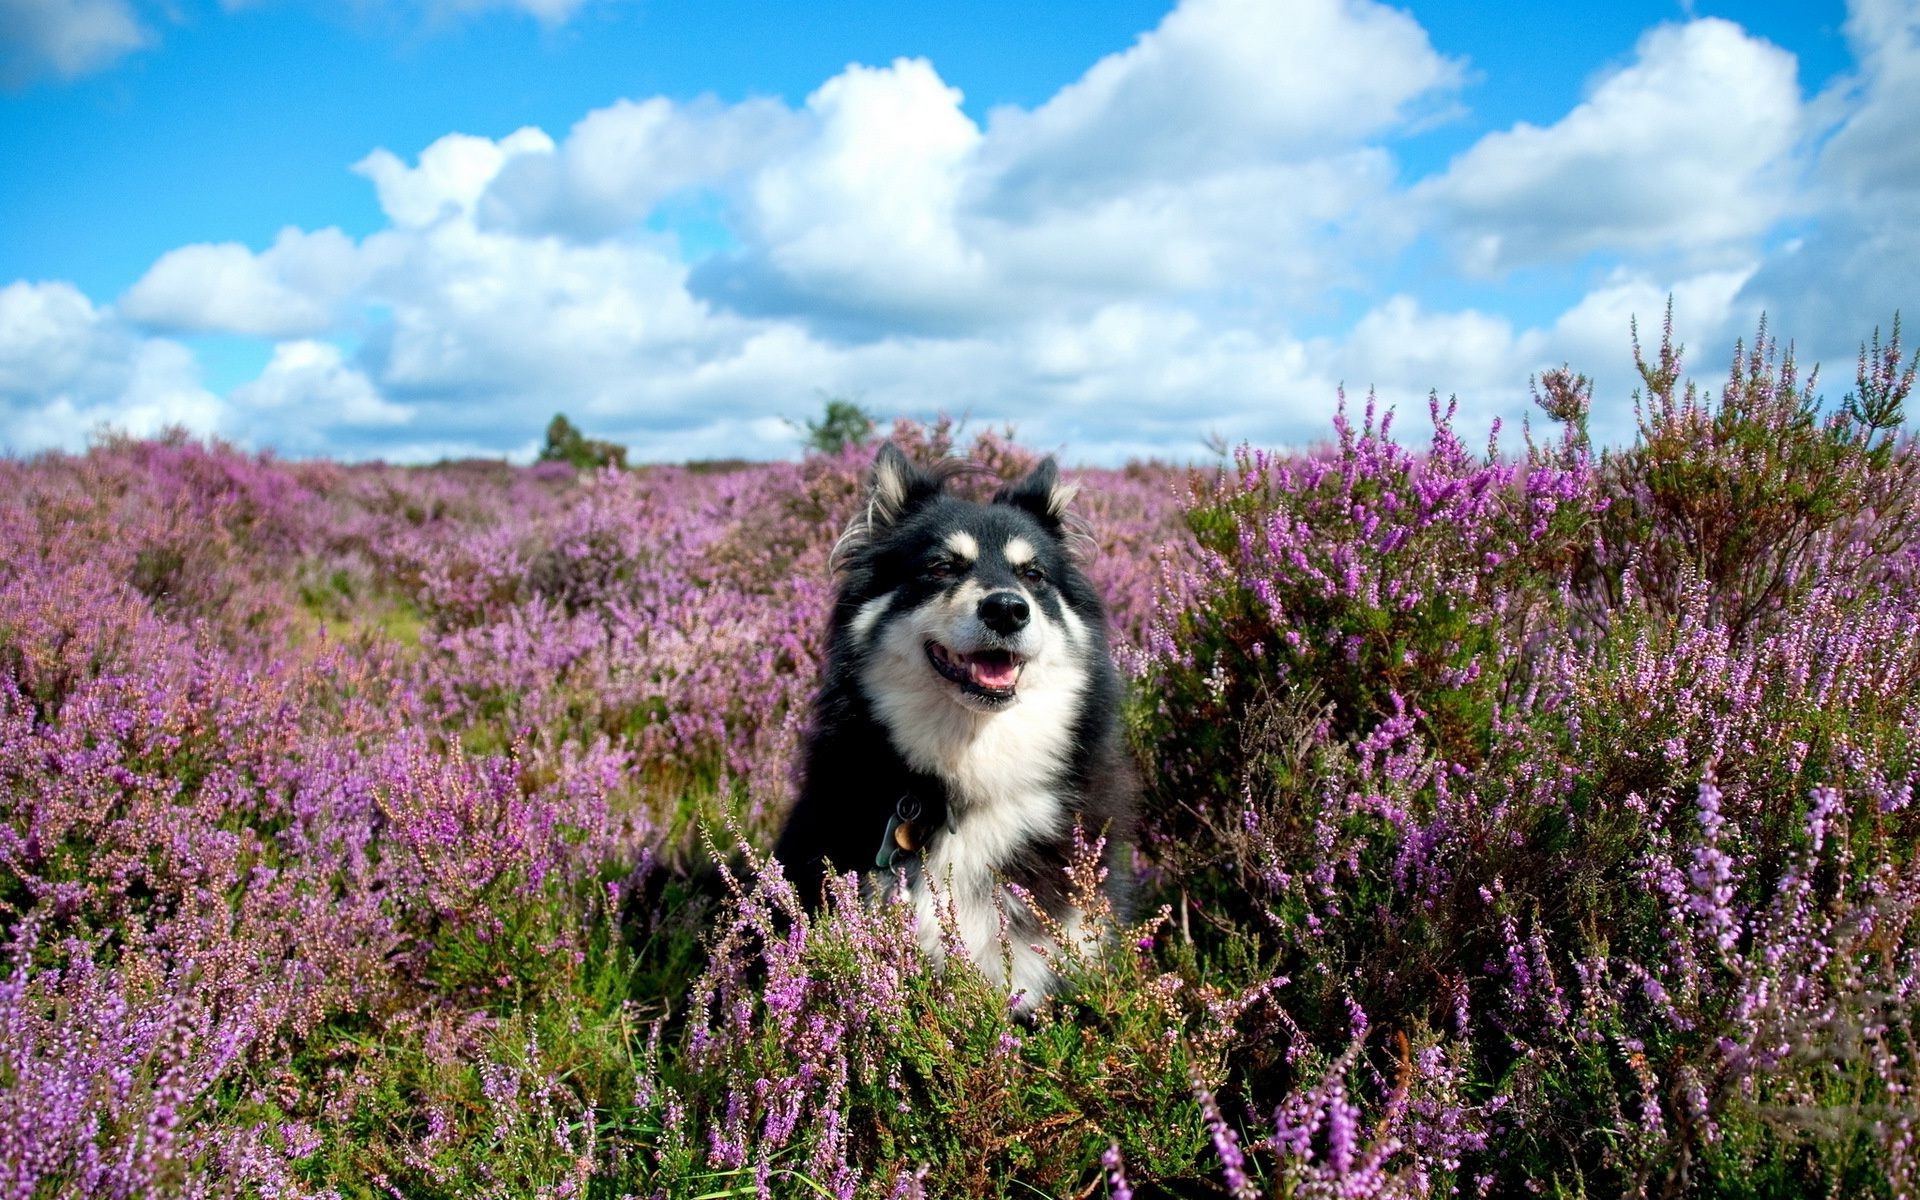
<point x="974" y="603"/>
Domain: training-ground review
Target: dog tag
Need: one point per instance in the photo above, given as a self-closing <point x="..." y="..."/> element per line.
<point x="901" y="836"/>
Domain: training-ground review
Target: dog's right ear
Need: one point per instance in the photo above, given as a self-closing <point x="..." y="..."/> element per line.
<point x="897" y="487"/>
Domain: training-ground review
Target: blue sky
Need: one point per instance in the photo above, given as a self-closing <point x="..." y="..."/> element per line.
<point x="416" y="228"/>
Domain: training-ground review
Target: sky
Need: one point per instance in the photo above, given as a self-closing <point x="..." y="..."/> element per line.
<point x="416" y="229"/>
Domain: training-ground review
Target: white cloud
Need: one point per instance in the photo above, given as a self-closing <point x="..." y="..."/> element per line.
<point x="619" y="162"/>
<point x="1858" y="264"/>
<point x="1707" y="315"/>
<point x="489" y="313"/>
<point x="1226" y="143"/>
<point x="464" y="321"/>
<point x="67" y="368"/>
<point x="451" y="176"/>
<point x="66" y="38"/>
<point x="296" y="286"/>
<point x="1688" y="149"/>
<point x="1122" y="378"/>
<point x="1273" y="234"/>
<point x="1218" y="84"/>
<point x="1406" y="351"/>
<point x="48" y="336"/>
<point x="307" y="392"/>
<point x="864" y="213"/>
<point x="1874" y="155"/>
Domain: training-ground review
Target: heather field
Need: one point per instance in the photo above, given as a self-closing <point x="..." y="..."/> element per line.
<point x="1525" y="824"/>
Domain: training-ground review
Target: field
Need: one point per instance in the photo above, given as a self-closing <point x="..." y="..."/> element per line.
<point x="1527" y="825"/>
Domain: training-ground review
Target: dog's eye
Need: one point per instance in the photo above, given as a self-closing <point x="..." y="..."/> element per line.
<point x="941" y="568"/>
<point x="1033" y="574"/>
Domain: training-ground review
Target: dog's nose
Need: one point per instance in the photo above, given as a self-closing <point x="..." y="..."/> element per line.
<point x="1004" y="612"/>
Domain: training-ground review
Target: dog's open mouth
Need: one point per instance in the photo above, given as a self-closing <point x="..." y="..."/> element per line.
<point x="988" y="674"/>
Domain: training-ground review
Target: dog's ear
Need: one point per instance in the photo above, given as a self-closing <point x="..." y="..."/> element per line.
<point x="1041" y="493"/>
<point x="897" y="487"/>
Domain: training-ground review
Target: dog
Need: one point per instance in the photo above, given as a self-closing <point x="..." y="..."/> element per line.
<point x="967" y="726"/>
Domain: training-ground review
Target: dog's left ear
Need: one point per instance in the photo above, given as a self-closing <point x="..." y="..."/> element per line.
<point x="1041" y="493"/>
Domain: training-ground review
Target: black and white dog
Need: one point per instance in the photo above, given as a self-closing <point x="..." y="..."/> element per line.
<point x="969" y="718"/>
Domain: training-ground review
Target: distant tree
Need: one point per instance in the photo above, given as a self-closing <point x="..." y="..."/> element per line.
<point x="845" y="424"/>
<point x="567" y="444"/>
<point x="562" y="439"/>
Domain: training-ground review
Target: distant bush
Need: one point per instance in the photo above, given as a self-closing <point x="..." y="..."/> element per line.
<point x="568" y="445"/>
<point x="844" y="424"/>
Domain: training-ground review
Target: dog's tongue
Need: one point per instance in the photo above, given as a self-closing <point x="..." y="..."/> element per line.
<point x="994" y="670"/>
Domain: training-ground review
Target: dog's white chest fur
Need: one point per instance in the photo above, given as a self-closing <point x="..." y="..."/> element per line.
<point x="1002" y="771"/>
<point x="960" y="877"/>
<point x="960" y="880"/>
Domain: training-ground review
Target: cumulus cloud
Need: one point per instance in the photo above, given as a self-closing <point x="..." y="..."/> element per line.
<point x="1228" y="143"/>
<point x="517" y="270"/>
<point x="307" y="393"/>
<point x="451" y="176"/>
<point x="1874" y="154"/>
<point x="1126" y="379"/>
<point x="1857" y="265"/>
<point x="1217" y="84"/>
<point x="1228" y="139"/>
<point x="512" y="277"/>
<point x="1708" y="314"/>
<point x="1405" y="351"/>
<point x="489" y="315"/>
<point x="68" y="368"/>
<point x="1687" y="149"/>
<point x="65" y="38"/>
<point x="296" y="286"/>
<point x="620" y="162"/>
<point x="868" y="206"/>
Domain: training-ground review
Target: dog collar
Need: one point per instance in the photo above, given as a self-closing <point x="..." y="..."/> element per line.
<point x="909" y="828"/>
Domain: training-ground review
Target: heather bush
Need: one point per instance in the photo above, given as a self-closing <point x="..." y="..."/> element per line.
<point x="1758" y="494"/>
<point x="1538" y="824"/>
<point x="1598" y="765"/>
